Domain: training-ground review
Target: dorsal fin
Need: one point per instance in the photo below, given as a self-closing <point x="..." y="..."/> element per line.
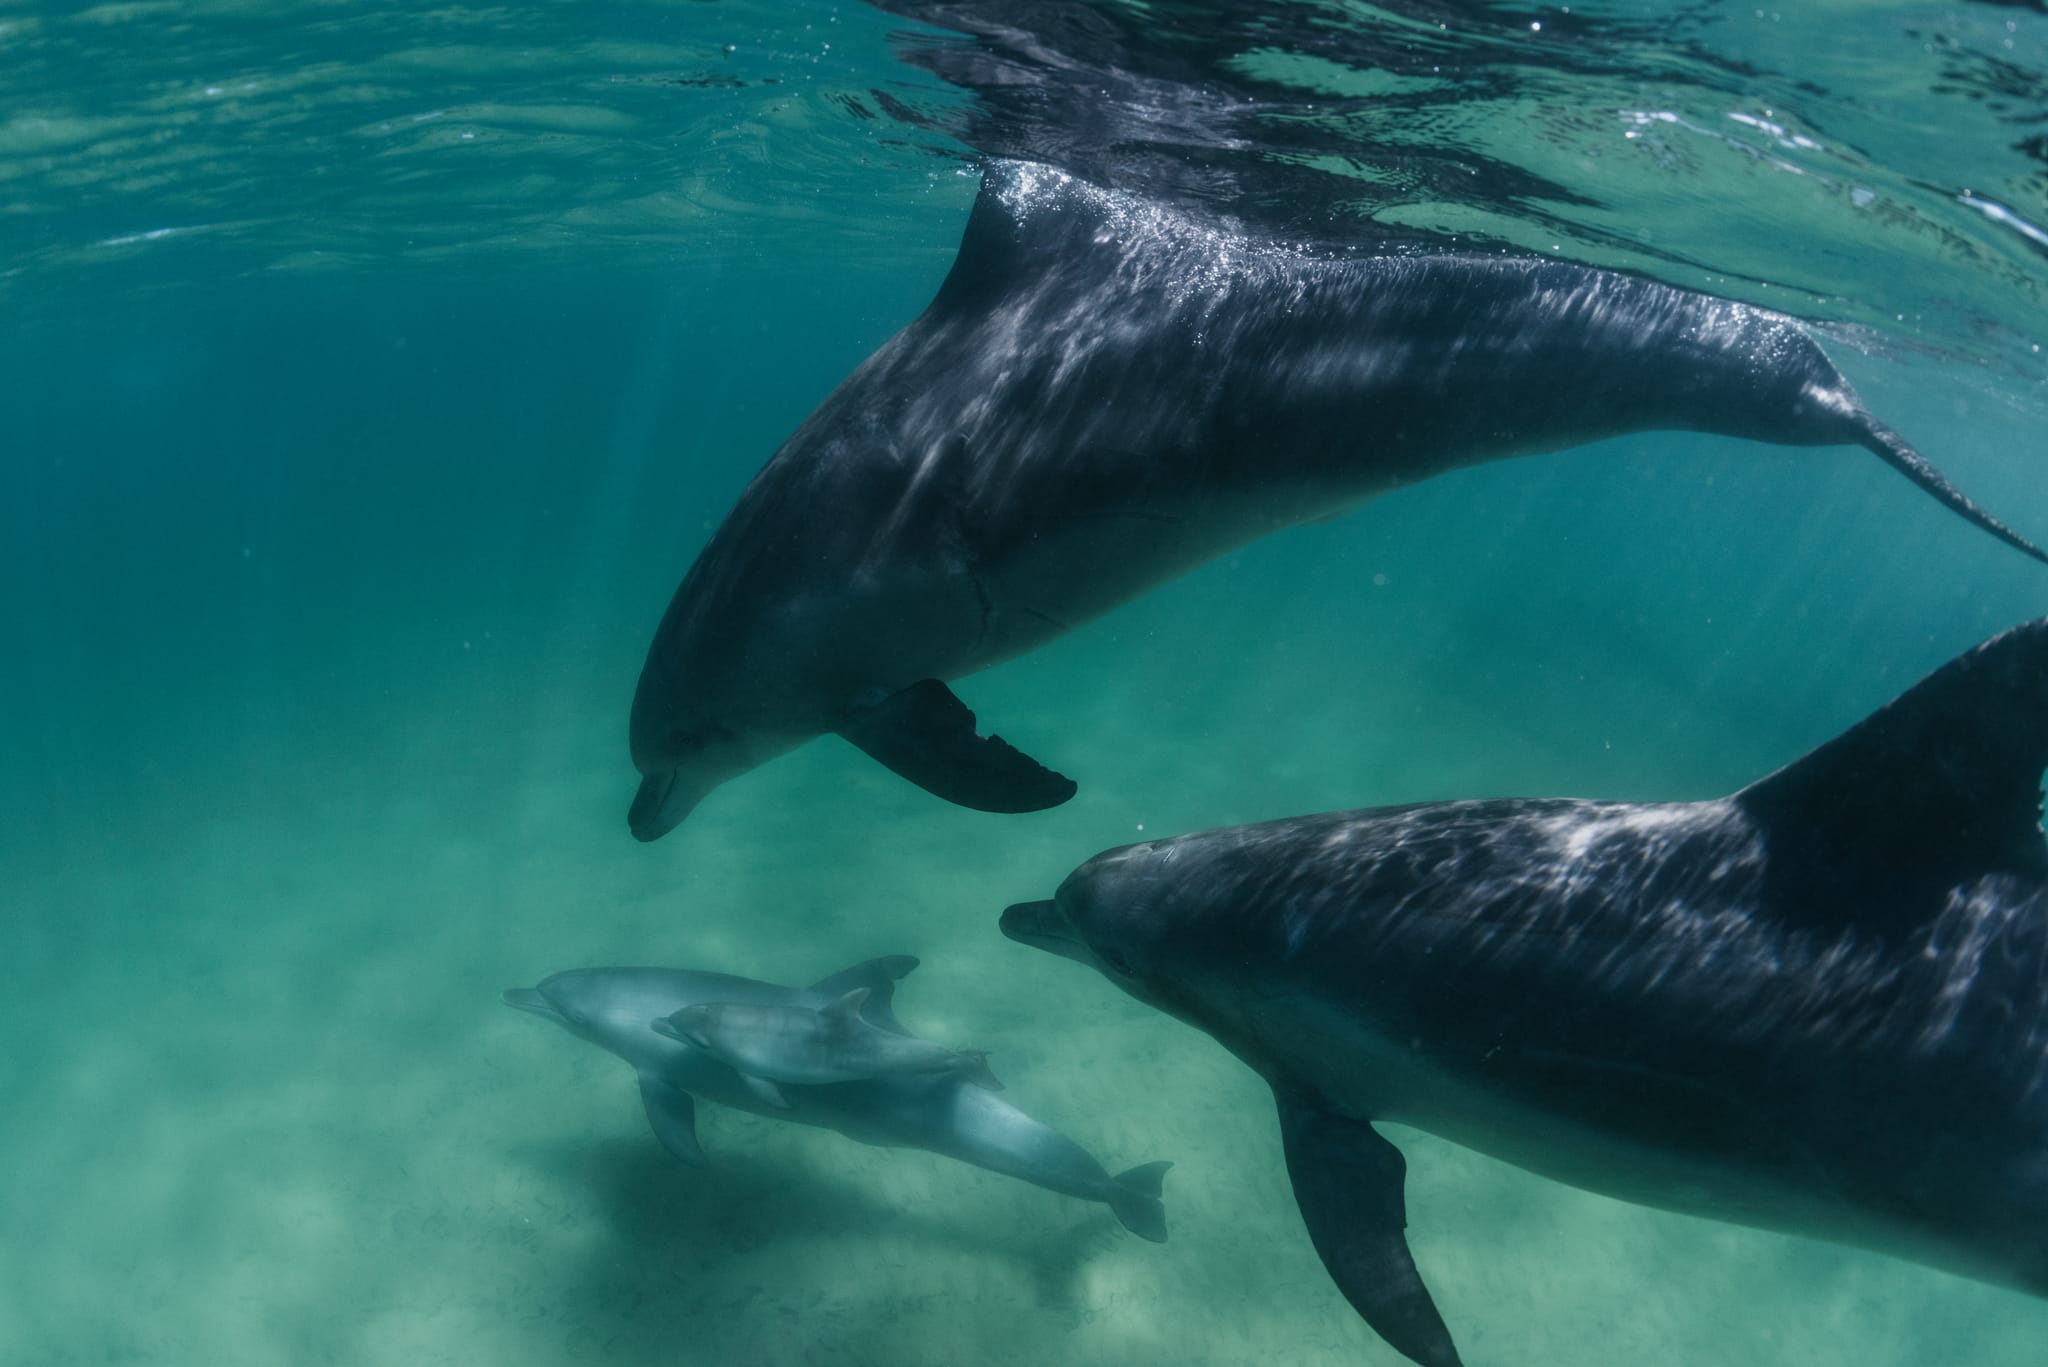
<point x="879" y="977"/>
<point x="1026" y="220"/>
<point x="1939" y="786"/>
<point x="847" y="1007"/>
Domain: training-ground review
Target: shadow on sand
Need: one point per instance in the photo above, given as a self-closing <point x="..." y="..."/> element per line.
<point x="784" y="1238"/>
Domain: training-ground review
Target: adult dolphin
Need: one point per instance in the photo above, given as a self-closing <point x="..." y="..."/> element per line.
<point x="616" y="1009"/>
<point x="1820" y="1005"/>
<point x="1106" y="393"/>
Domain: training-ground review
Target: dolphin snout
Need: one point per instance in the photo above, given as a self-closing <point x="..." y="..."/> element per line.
<point x="531" y="999"/>
<point x="1042" y="925"/>
<point x="660" y="805"/>
<point x="1024" y="919"/>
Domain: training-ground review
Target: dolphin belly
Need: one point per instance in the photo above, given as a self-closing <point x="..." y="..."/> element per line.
<point x="1760" y="1188"/>
<point x="1076" y="566"/>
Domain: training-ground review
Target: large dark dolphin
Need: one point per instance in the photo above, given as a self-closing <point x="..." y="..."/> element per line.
<point x="1819" y="1006"/>
<point x="616" y="1008"/>
<point x="1105" y="394"/>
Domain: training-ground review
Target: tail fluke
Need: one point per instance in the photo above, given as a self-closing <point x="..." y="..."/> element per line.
<point x="1134" y="1197"/>
<point x="1898" y="453"/>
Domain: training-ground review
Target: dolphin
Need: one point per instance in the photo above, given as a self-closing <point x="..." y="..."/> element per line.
<point x="1819" y="1005"/>
<point x="615" y="1009"/>
<point x="1106" y="393"/>
<point x="770" y="1044"/>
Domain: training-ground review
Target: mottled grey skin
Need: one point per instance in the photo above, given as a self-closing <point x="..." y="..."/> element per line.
<point x="803" y="1045"/>
<point x="615" y="1009"/>
<point x="1819" y="1005"/>
<point x="1105" y="394"/>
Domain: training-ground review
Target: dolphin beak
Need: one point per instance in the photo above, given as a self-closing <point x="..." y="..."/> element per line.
<point x="660" y="805"/>
<point x="530" y="999"/>
<point x="662" y="1025"/>
<point x="1040" y="925"/>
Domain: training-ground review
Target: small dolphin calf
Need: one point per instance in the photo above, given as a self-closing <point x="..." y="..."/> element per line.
<point x="1818" y="1006"/>
<point x="615" y="1009"/>
<point x="1106" y="394"/>
<point x="770" y="1044"/>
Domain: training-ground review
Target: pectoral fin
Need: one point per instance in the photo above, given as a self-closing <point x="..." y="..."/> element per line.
<point x="973" y="1067"/>
<point x="673" y="1114"/>
<point x="1348" y="1183"/>
<point x="927" y="735"/>
<point x="766" y="1090"/>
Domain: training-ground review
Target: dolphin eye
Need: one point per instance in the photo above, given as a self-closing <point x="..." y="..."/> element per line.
<point x="1116" y="962"/>
<point x="682" y="742"/>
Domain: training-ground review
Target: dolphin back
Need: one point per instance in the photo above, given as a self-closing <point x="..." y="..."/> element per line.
<point x="1547" y="353"/>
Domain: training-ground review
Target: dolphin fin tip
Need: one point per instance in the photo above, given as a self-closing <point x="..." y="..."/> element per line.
<point x="673" y="1115"/>
<point x="927" y="735"/>
<point x="1895" y="451"/>
<point x="977" y="1071"/>
<point x="1348" y="1182"/>
<point x="765" y="1090"/>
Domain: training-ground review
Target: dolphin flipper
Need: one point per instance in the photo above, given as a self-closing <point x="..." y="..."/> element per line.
<point x="1347" y="1181"/>
<point x="927" y="735"/>
<point x="673" y="1114"/>
<point x="973" y="1067"/>
<point x="765" y="1089"/>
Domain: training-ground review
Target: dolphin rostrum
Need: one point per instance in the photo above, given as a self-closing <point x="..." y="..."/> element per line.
<point x="1104" y="394"/>
<point x="834" y="1043"/>
<point x="1818" y="1006"/>
<point x="616" y="1008"/>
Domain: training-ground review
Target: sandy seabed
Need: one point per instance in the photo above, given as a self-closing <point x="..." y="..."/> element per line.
<point x="264" y="1106"/>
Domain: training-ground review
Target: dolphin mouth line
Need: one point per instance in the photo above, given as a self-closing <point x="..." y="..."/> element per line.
<point x="529" y="999"/>
<point x="646" y="819"/>
<point x="1040" y="925"/>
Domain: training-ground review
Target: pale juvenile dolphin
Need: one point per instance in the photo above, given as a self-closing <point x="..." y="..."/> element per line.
<point x="615" y="1009"/>
<point x="1105" y="394"/>
<point x="1819" y="1005"/>
<point x="834" y="1043"/>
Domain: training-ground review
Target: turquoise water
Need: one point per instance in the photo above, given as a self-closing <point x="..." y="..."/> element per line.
<point x="348" y="464"/>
